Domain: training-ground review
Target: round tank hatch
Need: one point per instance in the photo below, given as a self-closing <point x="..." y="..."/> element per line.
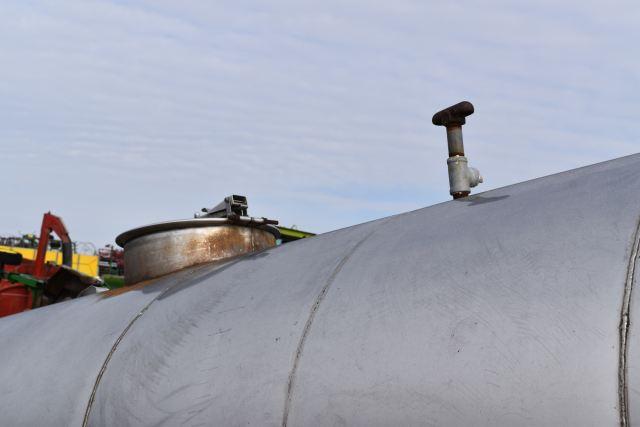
<point x="158" y="249"/>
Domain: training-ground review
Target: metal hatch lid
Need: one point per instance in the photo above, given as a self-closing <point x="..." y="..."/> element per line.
<point x="244" y="221"/>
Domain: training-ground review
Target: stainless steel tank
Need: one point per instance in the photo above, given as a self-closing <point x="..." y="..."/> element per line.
<point x="510" y="307"/>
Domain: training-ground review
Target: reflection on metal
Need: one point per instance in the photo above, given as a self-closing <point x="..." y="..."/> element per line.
<point x="513" y="319"/>
<point x="461" y="177"/>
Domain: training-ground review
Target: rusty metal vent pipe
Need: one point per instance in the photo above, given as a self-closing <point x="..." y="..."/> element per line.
<point x="222" y="232"/>
<point x="461" y="177"/>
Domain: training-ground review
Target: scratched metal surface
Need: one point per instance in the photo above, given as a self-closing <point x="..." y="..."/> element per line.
<point x="226" y="343"/>
<point x="501" y="309"/>
<point x="52" y="356"/>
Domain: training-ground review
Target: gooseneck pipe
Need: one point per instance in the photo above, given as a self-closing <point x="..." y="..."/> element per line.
<point x="461" y="177"/>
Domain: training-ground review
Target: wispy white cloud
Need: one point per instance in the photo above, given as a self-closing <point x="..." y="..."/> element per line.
<point x="116" y="114"/>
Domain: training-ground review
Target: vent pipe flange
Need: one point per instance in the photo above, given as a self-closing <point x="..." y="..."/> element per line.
<point x="461" y="177"/>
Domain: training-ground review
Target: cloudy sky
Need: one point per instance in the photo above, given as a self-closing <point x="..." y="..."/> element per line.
<point x="115" y="114"/>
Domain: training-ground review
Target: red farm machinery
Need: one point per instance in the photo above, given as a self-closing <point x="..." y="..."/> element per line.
<point x="27" y="284"/>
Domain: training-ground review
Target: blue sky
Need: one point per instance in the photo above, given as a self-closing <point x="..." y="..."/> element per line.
<point x="119" y="114"/>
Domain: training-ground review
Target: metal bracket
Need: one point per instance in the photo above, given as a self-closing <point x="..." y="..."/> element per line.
<point x="234" y="208"/>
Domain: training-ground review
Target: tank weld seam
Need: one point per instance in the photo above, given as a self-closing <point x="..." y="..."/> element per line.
<point x="103" y="368"/>
<point x="307" y="326"/>
<point x="115" y="345"/>
<point x="625" y="323"/>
